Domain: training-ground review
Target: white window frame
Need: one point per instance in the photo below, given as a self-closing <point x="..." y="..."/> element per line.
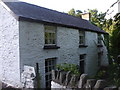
<point x="81" y="37"/>
<point x="50" y="30"/>
<point x="50" y="64"/>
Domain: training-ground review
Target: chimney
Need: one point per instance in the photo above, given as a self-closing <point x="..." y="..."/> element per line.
<point x="86" y="16"/>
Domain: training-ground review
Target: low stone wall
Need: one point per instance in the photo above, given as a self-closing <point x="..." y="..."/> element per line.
<point x="61" y="79"/>
<point x="5" y="86"/>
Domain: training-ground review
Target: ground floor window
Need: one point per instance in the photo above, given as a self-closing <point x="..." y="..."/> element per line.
<point x="82" y="63"/>
<point x="99" y="58"/>
<point x="50" y="64"/>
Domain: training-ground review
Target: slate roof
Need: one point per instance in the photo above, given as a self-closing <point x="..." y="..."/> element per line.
<point x="36" y="13"/>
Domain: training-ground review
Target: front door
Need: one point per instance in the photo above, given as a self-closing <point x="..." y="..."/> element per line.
<point x="82" y="63"/>
<point x="49" y="66"/>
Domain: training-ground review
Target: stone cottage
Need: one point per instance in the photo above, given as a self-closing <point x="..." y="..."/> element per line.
<point x="31" y="34"/>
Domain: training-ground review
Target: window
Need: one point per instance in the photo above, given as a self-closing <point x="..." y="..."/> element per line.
<point x="99" y="39"/>
<point x="99" y="58"/>
<point x="82" y="63"/>
<point x="50" y="35"/>
<point x="49" y="66"/>
<point x="81" y="37"/>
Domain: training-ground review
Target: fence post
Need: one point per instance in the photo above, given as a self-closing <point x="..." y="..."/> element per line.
<point x="37" y="76"/>
<point x="82" y="81"/>
<point x="100" y="84"/>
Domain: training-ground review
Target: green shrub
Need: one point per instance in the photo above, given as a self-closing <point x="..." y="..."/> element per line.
<point x="69" y="67"/>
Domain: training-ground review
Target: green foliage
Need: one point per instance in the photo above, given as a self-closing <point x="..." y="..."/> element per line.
<point x="113" y="71"/>
<point x="114" y="74"/>
<point x="109" y="26"/>
<point x="69" y="67"/>
<point x="115" y="36"/>
<point x="102" y="73"/>
<point x="110" y="74"/>
<point x="97" y="18"/>
<point x="74" y="12"/>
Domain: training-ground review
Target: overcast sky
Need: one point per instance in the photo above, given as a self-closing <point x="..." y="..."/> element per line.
<point x="66" y="5"/>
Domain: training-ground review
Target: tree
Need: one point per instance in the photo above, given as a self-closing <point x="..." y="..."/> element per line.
<point x="97" y="18"/>
<point x="108" y="27"/>
<point x="74" y="12"/>
<point x="115" y="42"/>
<point x="114" y="67"/>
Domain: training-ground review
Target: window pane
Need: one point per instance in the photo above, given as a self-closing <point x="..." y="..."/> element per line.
<point x="81" y="37"/>
<point x="46" y="69"/>
<point x="81" y="33"/>
<point x="45" y="63"/>
<point x="50" y="28"/>
<point x="50" y="34"/>
<point x="53" y="67"/>
<point x="50" y="76"/>
<point x="46" y="35"/>
<point x="50" y="69"/>
<point x="99" y="59"/>
<point x="45" y="41"/>
<point x="54" y="38"/>
<point x="46" y="77"/>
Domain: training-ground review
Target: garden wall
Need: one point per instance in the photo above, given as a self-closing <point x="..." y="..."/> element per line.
<point x="61" y="79"/>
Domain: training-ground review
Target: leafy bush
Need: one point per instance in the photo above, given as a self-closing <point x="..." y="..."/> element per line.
<point x="102" y="73"/>
<point x="110" y="74"/>
<point x="69" y="67"/>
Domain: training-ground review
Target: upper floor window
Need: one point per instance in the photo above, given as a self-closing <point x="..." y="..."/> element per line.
<point x="81" y="37"/>
<point x="50" y="35"/>
<point x="99" y="39"/>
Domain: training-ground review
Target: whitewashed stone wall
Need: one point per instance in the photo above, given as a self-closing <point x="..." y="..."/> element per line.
<point x="32" y="43"/>
<point x="21" y="43"/>
<point x="32" y="52"/>
<point x="9" y="48"/>
<point x="91" y="52"/>
<point x="104" y="61"/>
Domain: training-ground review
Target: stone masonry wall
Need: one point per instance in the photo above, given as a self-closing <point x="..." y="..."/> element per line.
<point x="22" y="42"/>
<point x="32" y="52"/>
<point x="9" y="48"/>
<point x="66" y="80"/>
<point x="32" y="43"/>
